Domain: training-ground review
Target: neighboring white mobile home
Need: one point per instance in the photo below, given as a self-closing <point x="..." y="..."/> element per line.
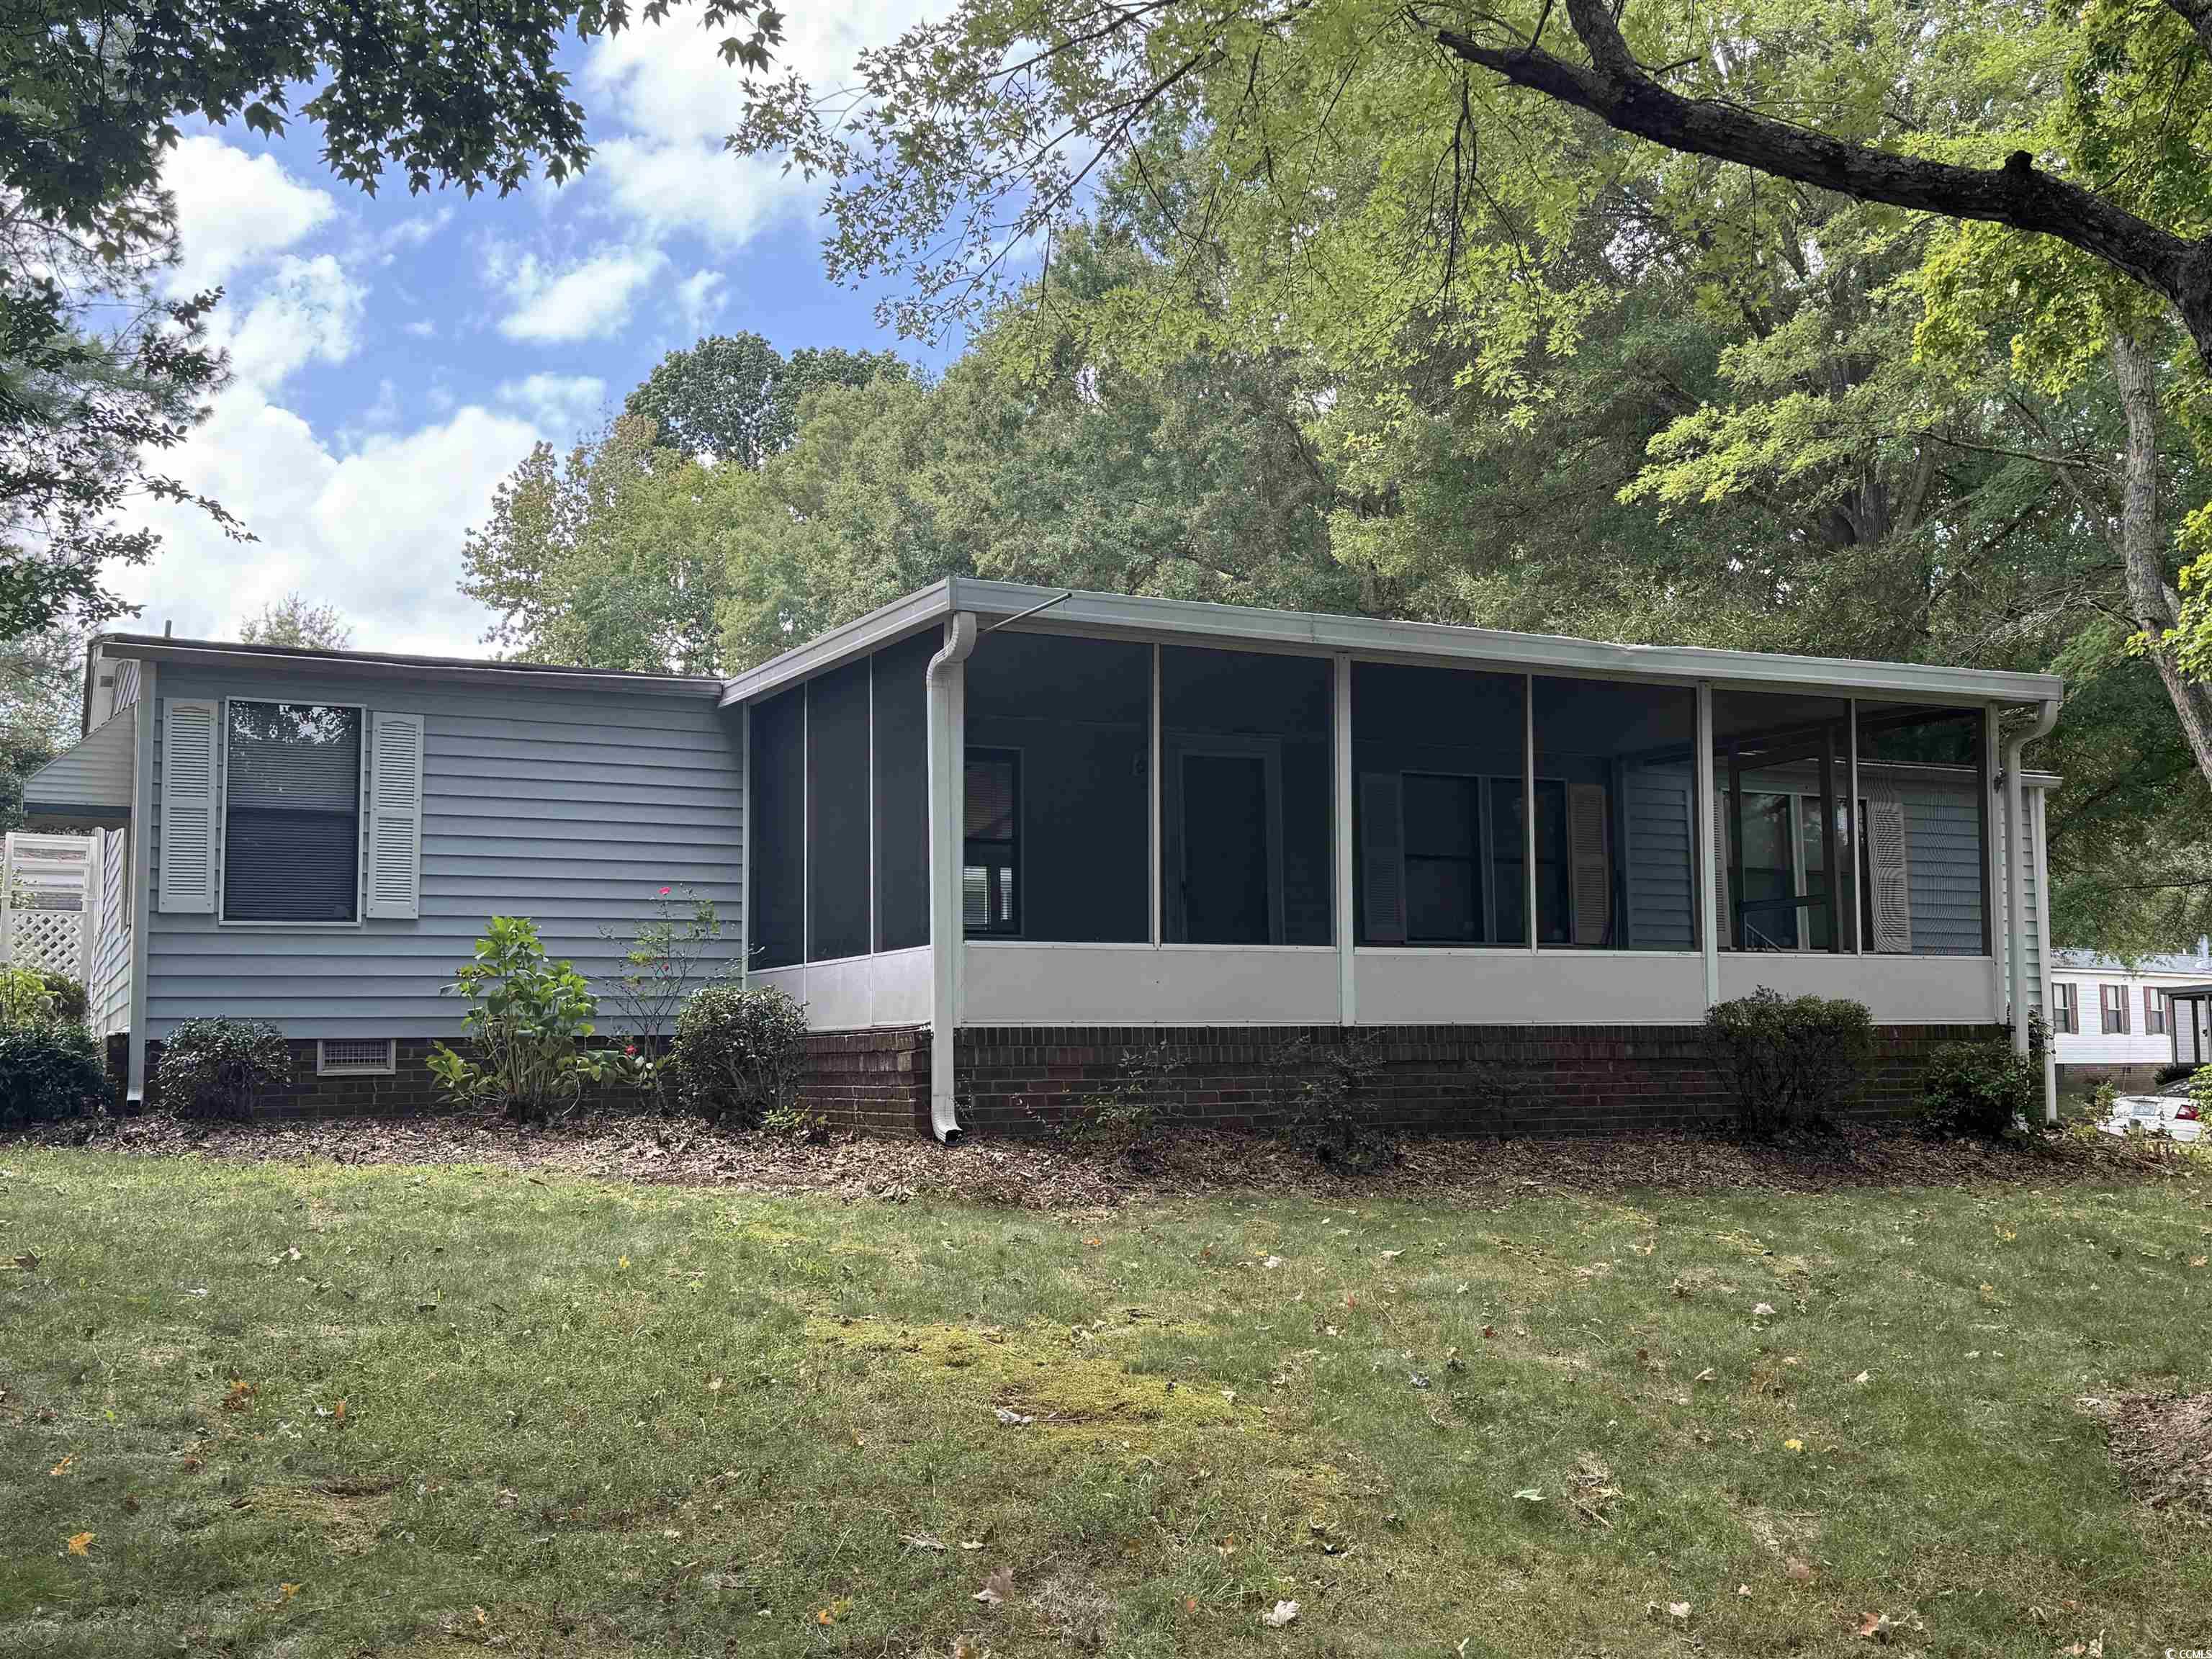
<point x="2111" y="1018"/>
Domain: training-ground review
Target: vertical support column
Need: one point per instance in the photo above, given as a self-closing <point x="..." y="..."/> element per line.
<point x="2043" y="946"/>
<point x="1347" y="993"/>
<point x="1703" y="821"/>
<point x="2004" y="880"/>
<point x="1859" y="906"/>
<point x="1152" y="830"/>
<point x="139" y="899"/>
<point x="750" y="841"/>
<point x="1528" y="803"/>
<point x="1833" y="875"/>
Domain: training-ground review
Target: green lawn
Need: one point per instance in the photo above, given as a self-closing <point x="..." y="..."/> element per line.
<point x="315" y="1411"/>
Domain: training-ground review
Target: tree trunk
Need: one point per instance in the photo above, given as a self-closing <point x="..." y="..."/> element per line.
<point x="2155" y="606"/>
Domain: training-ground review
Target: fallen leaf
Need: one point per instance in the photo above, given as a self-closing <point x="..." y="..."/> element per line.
<point x="971" y="1544"/>
<point x="1014" y="1419"/>
<point x="1744" y="1591"/>
<point x="1704" y="1376"/>
<point x="1272" y="1263"/>
<point x="1679" y="1610"/>
<point x="1793" y="1445"/>
<point x="81" y="1543"/>
<point x="1862" y="1377"/>
<point x="997" y="1588"/>
<point x="1797" y="1571"/>
<point x="1530" y="1494"/>
<point x="922" y="1540"/>
<point x="1282" y="1614"/>
<point x="1763" y="1310"/>
<point x="63" y="1468"/>
<point x="286" y="1592"/>
<point x="240" y="1397"/>
<point x="1874" y="1627"/>
<point x="1392" y="1255"/>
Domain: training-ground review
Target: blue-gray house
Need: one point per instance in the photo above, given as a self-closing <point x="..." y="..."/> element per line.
<point x="994" y="837"/>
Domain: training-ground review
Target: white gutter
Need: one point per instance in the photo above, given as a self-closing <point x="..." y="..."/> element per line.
<point x="2016" y="868"/>
<point x="946" y="797"/>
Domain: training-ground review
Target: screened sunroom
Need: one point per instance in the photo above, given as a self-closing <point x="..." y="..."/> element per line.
<point x="995" y="806"/>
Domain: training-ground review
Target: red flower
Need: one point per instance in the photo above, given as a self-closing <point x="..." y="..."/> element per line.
<point x="629" y="1048"/>
<point x="664" y="892"/>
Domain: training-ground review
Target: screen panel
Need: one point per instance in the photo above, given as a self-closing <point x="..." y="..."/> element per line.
<point x="902" y="768"/>
<point x="837" y="814"/>
<point x="776" y="818"/>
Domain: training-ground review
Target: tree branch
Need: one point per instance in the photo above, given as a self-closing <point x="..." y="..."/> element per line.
<point x="2197" y="14"/>
<point x="1616" y="88"/>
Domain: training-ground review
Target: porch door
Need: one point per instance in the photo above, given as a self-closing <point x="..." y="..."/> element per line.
<point x="1225" y="850"/>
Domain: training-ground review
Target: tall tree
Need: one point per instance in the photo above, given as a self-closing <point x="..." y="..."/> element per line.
<point x="736" y="397"/>
<point x="94" y="90"/>
<point x="293" y="621"/>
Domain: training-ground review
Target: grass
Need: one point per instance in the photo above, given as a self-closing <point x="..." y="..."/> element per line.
<point x="483" y="1410"/>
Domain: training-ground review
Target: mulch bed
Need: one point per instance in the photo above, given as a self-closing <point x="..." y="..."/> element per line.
<point x="1059" y="1176"/>
<point x="2163" y="1442"/>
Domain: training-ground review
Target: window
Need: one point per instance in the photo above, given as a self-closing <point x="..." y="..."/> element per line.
<point x="1782" y="775"/>
<point x="2113" y="1003"/>
<point x="2065" y="1007"/>
<point x="291" y="812"/>
<point x="1926" y="781"/>
<point x="2154" y="1020"/>
<point x="1616" y="815"/>
<point x="989" y="883"/>
<point x="1444" y="859"/>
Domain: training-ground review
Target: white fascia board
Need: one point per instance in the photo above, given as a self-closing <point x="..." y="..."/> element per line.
<point x="856" y="638"/>
<point x="364" y="664"/>
<point x="1248" y="627"/>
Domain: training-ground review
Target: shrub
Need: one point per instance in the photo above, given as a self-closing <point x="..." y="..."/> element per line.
<point x="70" y="1003"/>
<point x="49" y="1072"/>
<point x="670" y="954"/>
<point x="1979" y="1089"/>
<point x="1789" y="1060"/>
<point x="2172" y="1073"/>
<point x="221" y="1068"/>
<point x="527" y="1018"/>
<point x="1126" y="1115"/>
<point x="741" y="1051"/>
<point x="1324" y="1090"/>
<point x="25" y="998"/>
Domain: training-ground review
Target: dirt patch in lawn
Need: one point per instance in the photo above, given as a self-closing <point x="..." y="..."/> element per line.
<point x="2163" y="1441"/>
<point x="1054" y="1176"/>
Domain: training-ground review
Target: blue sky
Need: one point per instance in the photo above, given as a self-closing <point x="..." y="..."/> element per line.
<point x="394" y="357"/>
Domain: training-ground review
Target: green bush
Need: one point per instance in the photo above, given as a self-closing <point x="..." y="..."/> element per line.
<point x="25" y="998"/>
<point x="221" y="1068"/>
<point x="2172" y="1072"/>
<point x="1979" y="1089"/>
<point x="1325" y="1090"/>
<point x="49" y="1072"/>
<point x="1789" y="1060"/>
<point x="70" y="1004"/>
<point x="741" y="1052"/>
<point x="527" y="1019"/>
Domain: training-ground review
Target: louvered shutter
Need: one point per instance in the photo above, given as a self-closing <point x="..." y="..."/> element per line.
<point x="189" y="786"/>
<point x="1382" y="855"/>
<point x="1724" y="917"/>
<point x="1589" y="836"/>
<point x="1890" y="891"/>
<point x="395" y="815"/>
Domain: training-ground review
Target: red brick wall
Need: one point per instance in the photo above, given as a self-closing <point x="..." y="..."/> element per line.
<point x="1482" y="1080"/>
<point x="875" y="1081"/>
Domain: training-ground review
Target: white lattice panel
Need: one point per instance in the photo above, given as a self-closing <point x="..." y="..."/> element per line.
<point x="51" y="940"/>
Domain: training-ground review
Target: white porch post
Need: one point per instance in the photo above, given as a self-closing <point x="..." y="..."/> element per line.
<point x="2043" y="942"/>
<point x="1347" y="989"/>
<point x="947" y="801"/>
<point x="1708" y="816"/>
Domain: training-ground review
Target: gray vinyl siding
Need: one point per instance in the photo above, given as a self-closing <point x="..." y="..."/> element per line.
<point x="2033" y="956"/>
<point x="570" y="807"/>
<point x="1662" y="907"/>
<point x="1944" y="862"/>
<point x="108" y="989"/>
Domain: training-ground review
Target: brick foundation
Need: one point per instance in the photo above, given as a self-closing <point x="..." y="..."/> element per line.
<point x="1452" y="1079"/>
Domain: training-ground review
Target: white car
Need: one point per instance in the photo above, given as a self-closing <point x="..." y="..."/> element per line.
<point x="2174" y="1116"/>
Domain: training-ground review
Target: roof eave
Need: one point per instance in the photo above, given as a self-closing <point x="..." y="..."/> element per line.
<point x="1256" y="629"/>
<point x="216" y="653"/>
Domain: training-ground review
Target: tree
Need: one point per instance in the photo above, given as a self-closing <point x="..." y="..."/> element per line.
<point x="42" y="681"/>
<point x="95" y="90"/>
<point x="735" y="398"/>
<point x="292" y="621"/>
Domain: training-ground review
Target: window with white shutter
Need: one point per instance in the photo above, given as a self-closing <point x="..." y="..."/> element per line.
<point x="1383" y="856"/>
<point x="189" y="786"/>
<point x="395" y="816"/>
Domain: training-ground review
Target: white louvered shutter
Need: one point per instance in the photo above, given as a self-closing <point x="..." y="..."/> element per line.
<point x="395" y="816"/>
<point x="1382" y="855"/>
<point x="1890" y="890"/>
<point x="1589" y="834"/>
<point x="191" y="773"/>
<point x="1723" y="916"/>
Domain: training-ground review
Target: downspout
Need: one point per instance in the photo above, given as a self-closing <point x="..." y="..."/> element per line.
<point x="2016" y="869"/>
<point x="946" y="798"/>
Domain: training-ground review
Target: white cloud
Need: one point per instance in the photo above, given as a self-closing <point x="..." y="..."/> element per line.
<point x="698" y="298"/>
<point x="309" y="310"/>
<point x="670" y="100"/>
<point x="376" y="533"/>
<point x="559" y="404"/>
<point x="234" y="209"/>
<point x="589" y="300"/>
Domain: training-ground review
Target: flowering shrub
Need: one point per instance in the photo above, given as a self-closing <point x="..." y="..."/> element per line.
<point x="663" y="963"/>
